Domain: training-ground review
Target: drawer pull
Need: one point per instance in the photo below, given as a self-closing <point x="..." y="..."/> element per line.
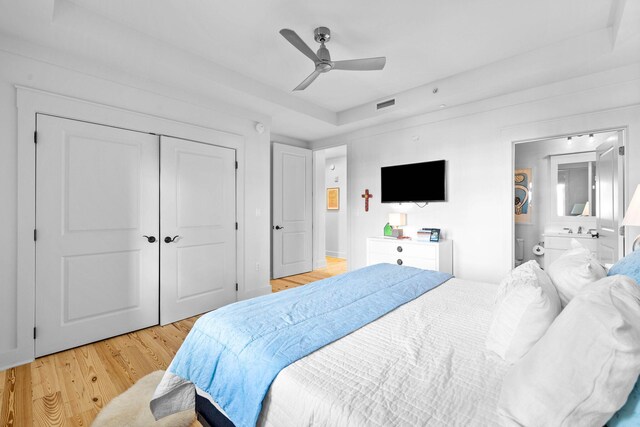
<point x="399" y="248"/>
<point x="399" y="262"/>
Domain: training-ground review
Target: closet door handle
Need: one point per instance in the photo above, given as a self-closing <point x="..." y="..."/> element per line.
<point x="170" y="240"/>
<point x="278" y="227"/>
<point x="150" y="239"/>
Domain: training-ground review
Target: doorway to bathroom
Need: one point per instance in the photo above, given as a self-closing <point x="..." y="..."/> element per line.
<point x="567" y="191"/>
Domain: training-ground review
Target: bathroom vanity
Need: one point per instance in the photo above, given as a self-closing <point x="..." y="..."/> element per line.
<point x="557" y="243"/>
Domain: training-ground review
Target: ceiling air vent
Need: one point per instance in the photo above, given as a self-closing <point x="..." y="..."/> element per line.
<point x="385" y="104"/>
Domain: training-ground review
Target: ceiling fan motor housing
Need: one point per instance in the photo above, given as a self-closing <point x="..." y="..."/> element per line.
<point x="322" y="34"/>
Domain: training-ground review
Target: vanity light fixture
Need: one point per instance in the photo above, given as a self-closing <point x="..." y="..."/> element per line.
<point x="591" y="138"/>
<point x="570" y="140"/>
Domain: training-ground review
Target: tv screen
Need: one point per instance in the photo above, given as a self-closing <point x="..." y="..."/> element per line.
<point x="415" y="182"/>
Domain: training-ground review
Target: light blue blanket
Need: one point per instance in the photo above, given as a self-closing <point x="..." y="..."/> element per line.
<point x="234" y="353"/>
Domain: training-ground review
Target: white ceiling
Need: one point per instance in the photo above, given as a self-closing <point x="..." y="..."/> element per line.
<point x="423" y="40"/>
<point x="236" y="44"/>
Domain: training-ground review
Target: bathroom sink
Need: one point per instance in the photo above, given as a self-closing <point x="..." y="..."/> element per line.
<point x="570" y="235"/>
<point x="555" y="244"/>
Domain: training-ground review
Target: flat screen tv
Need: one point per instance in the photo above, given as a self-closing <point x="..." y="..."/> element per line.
<point x="415" y="182"/>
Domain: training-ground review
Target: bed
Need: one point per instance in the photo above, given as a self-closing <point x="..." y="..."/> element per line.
<point x="423" y="363"/>
<point x="398" y="346"/>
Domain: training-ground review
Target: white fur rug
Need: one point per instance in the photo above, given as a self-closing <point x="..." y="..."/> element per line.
<point x="131" y="408"/>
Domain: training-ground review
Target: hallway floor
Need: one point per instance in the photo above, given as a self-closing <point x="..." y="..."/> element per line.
<point x="334" y="267"/>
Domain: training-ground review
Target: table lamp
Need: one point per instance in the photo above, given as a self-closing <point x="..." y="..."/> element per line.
<point x="397" y="219"/>
<point x="632" y="216"/>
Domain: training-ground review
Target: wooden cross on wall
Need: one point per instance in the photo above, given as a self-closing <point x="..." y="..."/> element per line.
<point x="366" y="196"/>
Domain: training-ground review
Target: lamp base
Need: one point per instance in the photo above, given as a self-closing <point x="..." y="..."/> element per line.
<point x="636" y="244"/>
<point x="396" y="232"/>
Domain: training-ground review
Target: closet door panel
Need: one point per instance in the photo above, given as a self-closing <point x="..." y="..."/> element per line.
<point x="198" y="217"/>
<point x="97" y="195"/>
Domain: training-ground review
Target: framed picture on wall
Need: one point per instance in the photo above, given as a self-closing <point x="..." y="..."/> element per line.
<point x="522" y="195"/>
<point x="333" y="198"/>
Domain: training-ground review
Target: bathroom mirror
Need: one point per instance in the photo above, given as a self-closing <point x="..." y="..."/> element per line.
<point x="574" y="185"/>
<point x="575" y="191"/>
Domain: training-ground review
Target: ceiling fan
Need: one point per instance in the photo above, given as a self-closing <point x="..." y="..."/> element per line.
<point x="322" y="59"/>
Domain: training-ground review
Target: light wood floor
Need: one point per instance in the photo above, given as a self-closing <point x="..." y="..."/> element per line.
<point x="334" y="267"/>
<point x="69" y="388"/>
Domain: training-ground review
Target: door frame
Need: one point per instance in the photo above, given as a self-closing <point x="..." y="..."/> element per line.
<point x="30" y="102"/>
<point x="319" y="205"/>
<point x="551" y="212"/>
<point x="617" y="119"/>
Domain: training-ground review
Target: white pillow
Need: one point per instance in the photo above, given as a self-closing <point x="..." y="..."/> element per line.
<point x="526" y="305"/>
<point x="581" y="372"/>
<point x="574" y="270"/>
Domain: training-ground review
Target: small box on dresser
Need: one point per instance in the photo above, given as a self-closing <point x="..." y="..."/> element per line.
<point x="436" y="256"/>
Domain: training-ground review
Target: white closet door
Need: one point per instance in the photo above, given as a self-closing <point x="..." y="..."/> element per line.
<point x="97" y="195"/>
<point x="198" y="223"/>
<point x="291" y="199"/>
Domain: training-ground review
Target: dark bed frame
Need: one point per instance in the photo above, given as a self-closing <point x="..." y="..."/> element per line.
<point x="208" y="415"/>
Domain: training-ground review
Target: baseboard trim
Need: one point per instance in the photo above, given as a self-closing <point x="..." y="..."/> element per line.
<point x="319" y="263"/>
<point x="337" y="254"/>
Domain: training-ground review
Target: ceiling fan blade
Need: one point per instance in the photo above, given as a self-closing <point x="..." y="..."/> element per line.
<point x="365" y="64"/>
<point x="306" y="82"/>
<point x="297" y="42"/>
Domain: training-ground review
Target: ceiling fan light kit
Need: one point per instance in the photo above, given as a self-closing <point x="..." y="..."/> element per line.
<point x="322" y="58"/>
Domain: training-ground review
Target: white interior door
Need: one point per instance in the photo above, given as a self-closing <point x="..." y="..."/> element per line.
<point x="198" y="223"/>
<point x="96" y="197"/>
<point x="609" y="199"/>
<point x="292" y="210"/>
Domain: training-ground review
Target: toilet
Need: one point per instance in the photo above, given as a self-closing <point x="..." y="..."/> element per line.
<point x="519" y="252"/>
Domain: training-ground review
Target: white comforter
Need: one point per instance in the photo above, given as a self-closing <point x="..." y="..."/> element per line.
<point x="422" y="364"/>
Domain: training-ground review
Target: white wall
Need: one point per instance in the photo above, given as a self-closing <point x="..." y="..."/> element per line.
<point x="336" y="220"/>
<point x="140" y="96"/>
<point x="476" y="140"/>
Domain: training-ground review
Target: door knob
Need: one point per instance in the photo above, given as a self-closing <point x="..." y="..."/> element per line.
<point x="150" y="239"/>
<point x="278" y="227"/>
<point x="170" y="240"/>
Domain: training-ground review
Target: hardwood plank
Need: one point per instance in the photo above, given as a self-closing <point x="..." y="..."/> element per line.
<point x="49" y="411"/>
<point x="70" y="388"/>
<point x="16" y="397"/>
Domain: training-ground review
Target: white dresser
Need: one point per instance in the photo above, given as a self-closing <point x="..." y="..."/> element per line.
<point x="427" y="255"/>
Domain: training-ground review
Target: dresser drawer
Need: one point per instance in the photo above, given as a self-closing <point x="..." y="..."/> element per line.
<point x="395" y="248"/>
<point x="419" y="254"/>
<point x="376" y="258"/>
<point x="381" y="246"/>
<point x="427" y="264"/>
<point x="413" y="250"/>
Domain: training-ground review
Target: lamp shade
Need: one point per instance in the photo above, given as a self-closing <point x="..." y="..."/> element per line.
<point x="397" y="219"/>
<point x="632" y="217"/>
